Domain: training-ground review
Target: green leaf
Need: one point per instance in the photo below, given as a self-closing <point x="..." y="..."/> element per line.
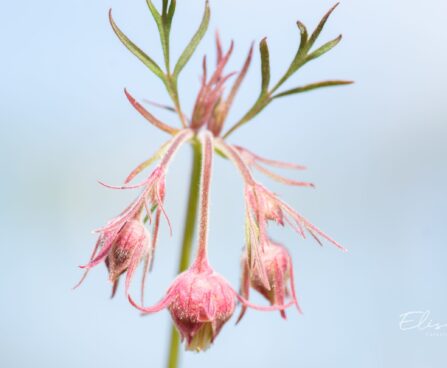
<point x="189" y="50"/>
<point x="320" y="26"/>
<point x="323" y="49"/>
<point x="302" y="56"/>
<point x="145" y="59"/>
<point x="265" y="66"/>
<point x="304" y="36"/>
<point x="165" y="6"/>
<point x="171" y="11"/>
<point x="164" y="27"/>
<point x="154" y="12"/>
<point x="310" y="87"/>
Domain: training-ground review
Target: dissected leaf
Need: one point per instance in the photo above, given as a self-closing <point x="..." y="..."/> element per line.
<point x="189" y="50"/>
<point x="171" y="11"/>
<point x="265" y="66"/>
<point x="323" y="49"/>
<point x="154" y="11"/>
<point x="304" y="36"/>
<point x="320" y="26"/>
<point x="164" y="28"/>
<point x="145" y="59"/>
<point x="165" y="6"/>
<point x="310" y="87"/>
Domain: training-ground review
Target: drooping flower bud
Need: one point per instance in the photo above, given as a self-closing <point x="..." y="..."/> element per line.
<point x="124" y="241"/>
<point x="201" y="304"/>
<point x="130" y="247"/>
<point x="200" y="300"/>
<point x="277" y="263"/>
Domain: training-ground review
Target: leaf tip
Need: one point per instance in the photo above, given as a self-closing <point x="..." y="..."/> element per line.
<point x="263" y="44"/>
<point x="301" y="26"/>
<point x="334" y="7"/>
<point x="129" y="96"/>
<point x="110" y="17"/>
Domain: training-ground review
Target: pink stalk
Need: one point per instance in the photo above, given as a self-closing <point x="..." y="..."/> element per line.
<point x="181" y="137"/>
<point x="158" y="155"/>
<point x="234" y="156"/>
<point x="207" y="166"/>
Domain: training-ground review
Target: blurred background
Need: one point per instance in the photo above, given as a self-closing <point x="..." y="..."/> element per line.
<point x="376" y="151"/>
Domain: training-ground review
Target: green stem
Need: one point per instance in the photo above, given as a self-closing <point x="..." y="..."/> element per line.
<point x="171" y="86"/>
<point x="188" y="237"/>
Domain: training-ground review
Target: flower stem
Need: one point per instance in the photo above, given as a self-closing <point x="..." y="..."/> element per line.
<point x="188" y="237"/>
<point x="207" y="166"/>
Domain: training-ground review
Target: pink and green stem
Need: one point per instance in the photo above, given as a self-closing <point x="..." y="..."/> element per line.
<point x="199" y="191"/>
<point x="188" y="237"/>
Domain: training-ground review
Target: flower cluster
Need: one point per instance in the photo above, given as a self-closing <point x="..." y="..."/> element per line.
<point x="199" y="300"/>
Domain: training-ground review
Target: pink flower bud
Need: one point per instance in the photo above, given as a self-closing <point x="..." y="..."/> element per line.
<point x="201" y="304"/>
<point x="130" y="246"/>
<point x="277" y="263"/>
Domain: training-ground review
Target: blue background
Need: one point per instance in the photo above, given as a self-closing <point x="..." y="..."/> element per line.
<point x="376" y="151"/>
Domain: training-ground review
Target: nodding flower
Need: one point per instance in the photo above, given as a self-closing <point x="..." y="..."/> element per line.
<point x="125" y="241"/>
<point x="200" y="300"/>
<point x="277" y="262"/>
<point x="261" y="207"/>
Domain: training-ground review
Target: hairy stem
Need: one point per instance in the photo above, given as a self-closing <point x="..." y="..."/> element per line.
<point x="207" y="158"/>
<point x="188" y="237"/>
<point x="171" y="86"/>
